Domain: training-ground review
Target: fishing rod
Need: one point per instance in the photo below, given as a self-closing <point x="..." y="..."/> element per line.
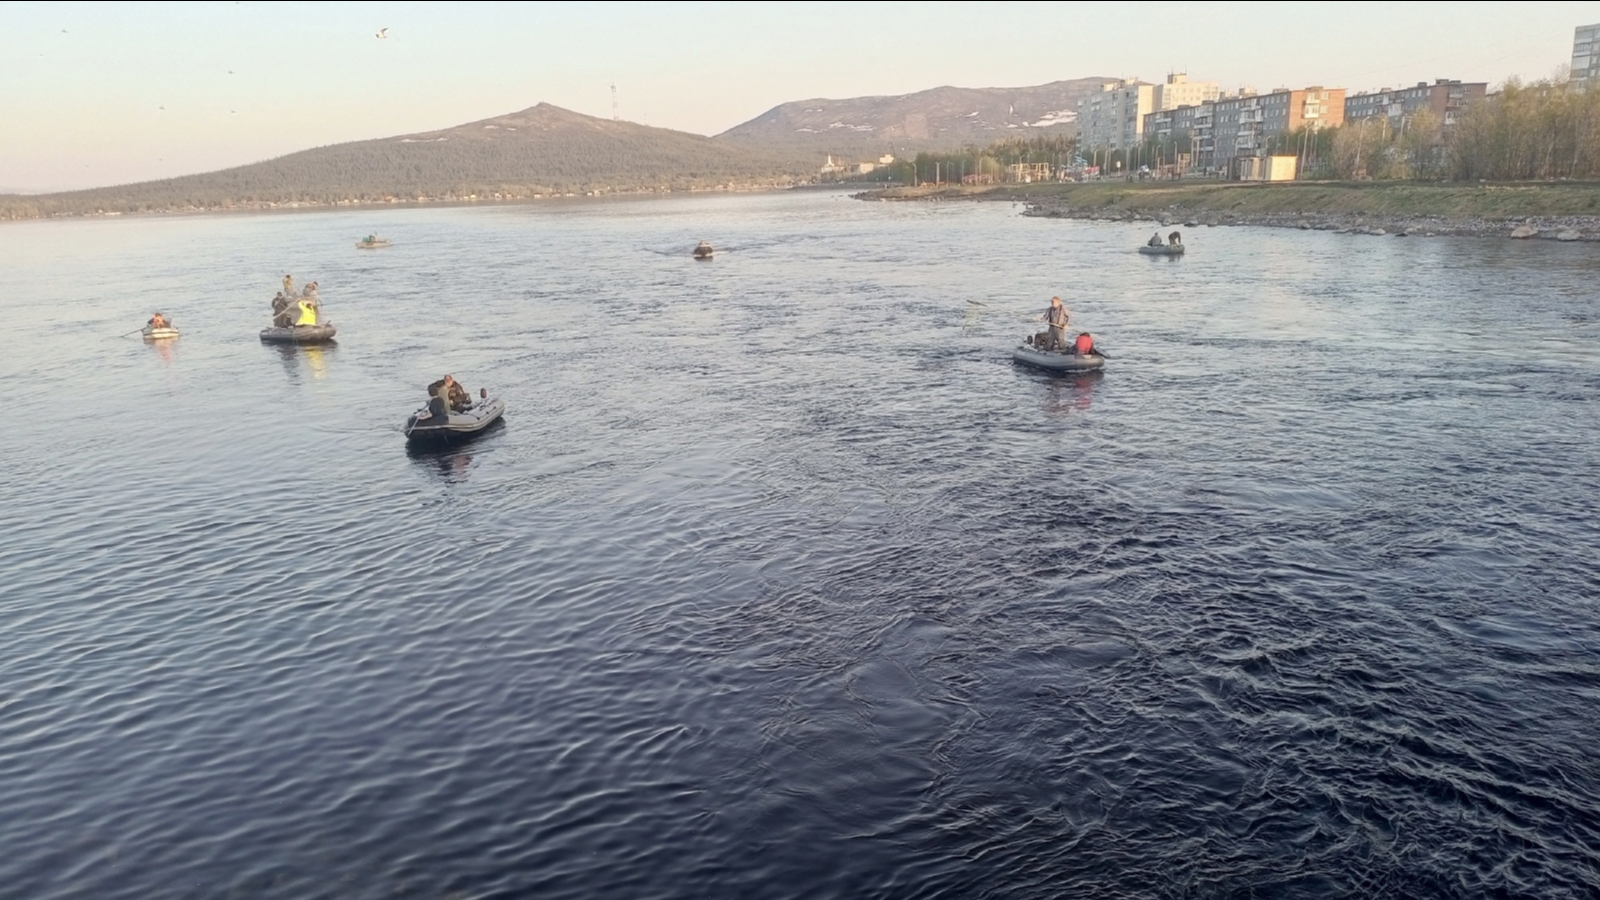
<point x="1097" y="350"/>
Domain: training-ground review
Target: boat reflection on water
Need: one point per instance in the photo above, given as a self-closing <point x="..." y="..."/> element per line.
<point x="309" y="355"/>
<point x="1072" y="392"/>
<point x="452" y="462"/>
<point x="163" y="349"/>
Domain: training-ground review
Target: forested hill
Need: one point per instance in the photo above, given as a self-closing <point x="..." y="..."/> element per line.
<point x="938" y="119"/>
<point x="539" y="151"/>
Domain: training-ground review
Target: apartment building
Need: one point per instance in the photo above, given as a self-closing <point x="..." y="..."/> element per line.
<point x="1586" y="55"/>
<point x="1180" y="91"/>
<point x="1243" y="125"/>
<point x="1446" y="99"/>
<point x="1113" y="119"/>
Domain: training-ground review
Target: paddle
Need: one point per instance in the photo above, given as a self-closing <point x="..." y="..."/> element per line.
<point x="135" y="331"/>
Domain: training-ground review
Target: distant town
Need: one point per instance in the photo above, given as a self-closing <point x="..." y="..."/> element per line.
<point x="1180" y="128"/>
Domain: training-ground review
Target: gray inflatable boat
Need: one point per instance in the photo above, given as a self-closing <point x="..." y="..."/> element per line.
<point x="299" y="334"/>
<point x="1057" y="361"/>
<point x="423" y="428"/>
<point x="1163" y="250"/>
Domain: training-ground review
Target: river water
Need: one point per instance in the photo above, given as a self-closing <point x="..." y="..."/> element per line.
<point x="780" y="579"/>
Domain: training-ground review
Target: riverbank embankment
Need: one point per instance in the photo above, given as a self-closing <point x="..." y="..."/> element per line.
<point x="1567" y="211"/>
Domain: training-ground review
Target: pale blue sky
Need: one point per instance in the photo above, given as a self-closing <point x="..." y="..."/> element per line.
<point x="83" y="85"/>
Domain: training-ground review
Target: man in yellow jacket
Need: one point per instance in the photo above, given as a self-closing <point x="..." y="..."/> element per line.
<point x="308" y="313"/>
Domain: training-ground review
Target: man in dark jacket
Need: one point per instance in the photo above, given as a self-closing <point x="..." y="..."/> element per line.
<point x="280" y="311"/>
<point x="453" y="392"/>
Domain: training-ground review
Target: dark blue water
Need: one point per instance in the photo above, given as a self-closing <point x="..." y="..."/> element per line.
<point x="780" y="580"/>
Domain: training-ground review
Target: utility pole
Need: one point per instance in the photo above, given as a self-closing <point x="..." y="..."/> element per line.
<point x="614" y="116"/>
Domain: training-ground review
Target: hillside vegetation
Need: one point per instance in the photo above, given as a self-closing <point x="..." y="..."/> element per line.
<point x="539" y="151"/>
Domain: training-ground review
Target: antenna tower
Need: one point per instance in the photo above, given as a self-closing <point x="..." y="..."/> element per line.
<point x="614" y="116"/>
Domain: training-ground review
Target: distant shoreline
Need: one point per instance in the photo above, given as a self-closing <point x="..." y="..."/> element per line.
<point x="313" y="206"/>
<point x="1564" y="211"/>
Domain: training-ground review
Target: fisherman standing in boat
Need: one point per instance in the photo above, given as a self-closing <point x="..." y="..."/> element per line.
<point x="288" y="285"/>
<point x="308" y="313"/>
<point x="1056" y="317"/>
<point x="1175" y="239"/>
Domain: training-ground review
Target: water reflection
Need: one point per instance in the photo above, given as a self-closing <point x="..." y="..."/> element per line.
<point x="310" y="357"/>
<point x="452" y="463"/>
<point x="1071" y="392"/>
<point x="163" y="348"/>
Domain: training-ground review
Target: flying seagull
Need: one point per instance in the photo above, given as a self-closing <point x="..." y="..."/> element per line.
<point x="382" y="33"/>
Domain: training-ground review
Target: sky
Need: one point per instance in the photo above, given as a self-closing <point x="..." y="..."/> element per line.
<point x="107" y="93"/>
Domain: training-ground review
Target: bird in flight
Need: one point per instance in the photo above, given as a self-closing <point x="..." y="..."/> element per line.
<point x="382" y="33"/>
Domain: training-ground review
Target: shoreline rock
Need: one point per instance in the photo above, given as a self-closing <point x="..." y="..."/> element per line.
<point x="1556" y="228"/>
<point x="1551" y="228"/>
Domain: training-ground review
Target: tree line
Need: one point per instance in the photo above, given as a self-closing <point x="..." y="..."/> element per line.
<point x="988" y="163"/>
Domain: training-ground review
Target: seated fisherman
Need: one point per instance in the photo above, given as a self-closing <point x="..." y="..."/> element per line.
<point x="1155" y="240"/>
<point x="308" y="313"/>
<point x="452" y="391"/>
<point x="159" y="321"/>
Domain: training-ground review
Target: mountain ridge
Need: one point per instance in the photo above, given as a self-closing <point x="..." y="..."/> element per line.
<point x="940" y="118"/>
<point x="547" y="150"/>
<point x="539" y="151"/>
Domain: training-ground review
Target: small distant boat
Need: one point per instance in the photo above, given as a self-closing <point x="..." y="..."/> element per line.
<point x="1057" y="361"/>
<point x="372" y="242"/>
<point x="299" y="334"/>
<point x="703" y="250"/>
<point x="424" y="429"/>
<point x="1163" y="250"/>
<point x="159" y="334"/>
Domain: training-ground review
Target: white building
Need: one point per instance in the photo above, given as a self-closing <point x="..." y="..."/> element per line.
<point x="1180" y="91"/>
<point x="1586" y="55"/>
<point x="1114" y="118"/>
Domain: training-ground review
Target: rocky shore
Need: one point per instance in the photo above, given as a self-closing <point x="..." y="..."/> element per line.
<point x="1555" y="228"/>
<point x="1547" y="211"/>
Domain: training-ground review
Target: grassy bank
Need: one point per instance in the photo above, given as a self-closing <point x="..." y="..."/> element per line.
<point x="1497" y="202"/>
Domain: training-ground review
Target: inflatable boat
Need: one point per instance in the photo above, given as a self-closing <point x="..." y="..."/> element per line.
<point x="1163" y="250"/>
<point x="159" y="334"/>
<point x="1057" y="361"/>
<point x="372" y="243"/>
<point x="423" y="429"/>
<point x="299" y="334"/>
<point x="703" y="250"/>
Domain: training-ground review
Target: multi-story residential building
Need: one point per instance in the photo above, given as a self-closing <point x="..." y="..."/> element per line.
<point x="1586" y="55"/>
<point x="1446" y="99"/>
<point x="1244" y="124"/>
<point x="1113" y="119"/>
<point x="1174" y="134"/>
<point x="1180" y="91"/>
